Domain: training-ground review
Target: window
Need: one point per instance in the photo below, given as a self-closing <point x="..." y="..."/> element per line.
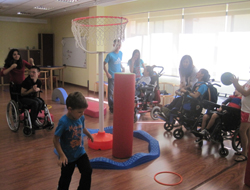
<point x="216" y="37"/>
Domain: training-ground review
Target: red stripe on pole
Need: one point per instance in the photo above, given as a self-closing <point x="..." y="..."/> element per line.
<point x="123" y="118"/>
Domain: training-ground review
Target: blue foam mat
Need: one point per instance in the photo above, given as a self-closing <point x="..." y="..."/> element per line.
<point x="135" y="160"/>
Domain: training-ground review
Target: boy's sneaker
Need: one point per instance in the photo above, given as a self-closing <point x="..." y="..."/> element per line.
<point x="38" y="122"/>
<point x="35" y="126"/>
<point x="205" y="133"/>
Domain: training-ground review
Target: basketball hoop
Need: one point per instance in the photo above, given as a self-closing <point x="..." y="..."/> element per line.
<point x="98" y="30"/>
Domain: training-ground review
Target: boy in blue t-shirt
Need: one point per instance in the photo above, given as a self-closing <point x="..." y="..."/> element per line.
<point x="114" y="66"/>
<point x="68" y="141"/>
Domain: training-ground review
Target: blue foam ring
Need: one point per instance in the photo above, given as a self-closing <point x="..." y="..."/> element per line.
<point x="136" y="160"/>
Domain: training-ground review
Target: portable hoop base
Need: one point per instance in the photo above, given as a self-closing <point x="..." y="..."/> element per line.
<point x="102" y="141"/>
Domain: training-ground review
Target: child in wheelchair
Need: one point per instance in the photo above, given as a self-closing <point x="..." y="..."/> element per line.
<point x="209" y="119"/>
<point x="198" y="92"/>
<point x="143" y="87"/>
<point x="29" y="89"/>
<point x="28" y="99"/>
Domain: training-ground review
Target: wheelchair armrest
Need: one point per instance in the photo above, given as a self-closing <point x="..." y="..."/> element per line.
<point x="231" y="109"/>
<point x="147" y="88"/>
<point x="218" y="113"/>
<point x="209" y="105"/>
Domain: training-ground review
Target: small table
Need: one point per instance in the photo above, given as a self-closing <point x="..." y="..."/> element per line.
<point x="51" y="69"/>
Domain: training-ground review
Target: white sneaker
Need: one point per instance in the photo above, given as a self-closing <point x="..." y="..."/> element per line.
<point x="38" y="122"/>
<point x="205" y="133"/>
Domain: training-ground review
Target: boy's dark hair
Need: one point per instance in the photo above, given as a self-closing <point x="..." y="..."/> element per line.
<point x="35" y="67"/>
<point x="116" y="40"/>
<point x="206" y="76"/>
<point x="76" y="100"/>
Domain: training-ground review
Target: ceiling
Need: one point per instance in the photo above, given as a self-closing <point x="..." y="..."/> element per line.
<point x="55" y="7"/>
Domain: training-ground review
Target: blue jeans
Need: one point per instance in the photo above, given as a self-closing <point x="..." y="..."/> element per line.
<point x="110" y="93"/>
<point x="85" y="169"/>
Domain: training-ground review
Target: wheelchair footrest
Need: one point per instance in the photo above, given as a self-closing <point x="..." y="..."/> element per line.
<point x="40" y="115"/>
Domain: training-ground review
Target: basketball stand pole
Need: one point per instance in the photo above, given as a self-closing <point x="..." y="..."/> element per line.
<point x="102" y="140"/>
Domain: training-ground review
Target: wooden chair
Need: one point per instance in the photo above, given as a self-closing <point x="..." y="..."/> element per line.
<point x="55" y="80"/>
<point x="170" y="88"/>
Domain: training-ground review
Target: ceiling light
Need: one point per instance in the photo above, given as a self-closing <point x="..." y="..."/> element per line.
<point x="68" y="1"/>
<point x="23" y="13"/>
<point x="42" y="8"/>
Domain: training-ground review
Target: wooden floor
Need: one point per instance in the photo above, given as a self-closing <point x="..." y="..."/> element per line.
<point x="29" y="163"/>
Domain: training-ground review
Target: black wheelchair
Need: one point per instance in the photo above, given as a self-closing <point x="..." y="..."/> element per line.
<point x="14" y="110"/>
<point x="188" y="115"/>
<point x="226" y="127"/>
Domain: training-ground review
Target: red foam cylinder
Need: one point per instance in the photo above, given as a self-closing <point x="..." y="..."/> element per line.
<point x="247" y="173"/>
<point x="123" y="117"/>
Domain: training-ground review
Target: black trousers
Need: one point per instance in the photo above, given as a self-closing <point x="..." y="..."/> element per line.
<point x="15" y="88"/>
<point x="177" y="103"/>
<point x="35" y="104"/>
<point x="85" y="169"/>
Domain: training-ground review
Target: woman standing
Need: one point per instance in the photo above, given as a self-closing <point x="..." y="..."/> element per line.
<point x="187" y="72"/>
<point x="136" y="63"/>
<point x="15" y="66"/>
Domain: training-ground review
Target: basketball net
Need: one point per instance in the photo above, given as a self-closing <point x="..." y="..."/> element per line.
<point x="99" y="31"/>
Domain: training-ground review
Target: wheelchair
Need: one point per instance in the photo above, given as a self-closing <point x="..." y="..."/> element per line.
<point x="149" y="98"/>
<point x="14" y="110"/>
<point x="226" y="127"/>
<point x="188" y="115"/>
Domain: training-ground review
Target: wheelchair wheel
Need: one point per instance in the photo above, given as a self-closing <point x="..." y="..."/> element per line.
<point x="178" y="133"/>
<point x="12" y="116"/>
<point x="154" y="112"/>
<point x="168" y="127"/>
<point x="223" y="152"/>
<point x="236" y="143"/>
<point x="27" y="131"/>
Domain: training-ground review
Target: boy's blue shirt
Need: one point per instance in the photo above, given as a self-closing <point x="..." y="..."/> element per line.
<point x="114" y="61"/>
<point x="70" y="133"/>
<point x="202" y="88"/>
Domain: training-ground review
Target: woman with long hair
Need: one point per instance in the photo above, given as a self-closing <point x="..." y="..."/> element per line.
<point x="15" y="66"/>
<point x="136" y="64"/>
<point x="187" y="72"/>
